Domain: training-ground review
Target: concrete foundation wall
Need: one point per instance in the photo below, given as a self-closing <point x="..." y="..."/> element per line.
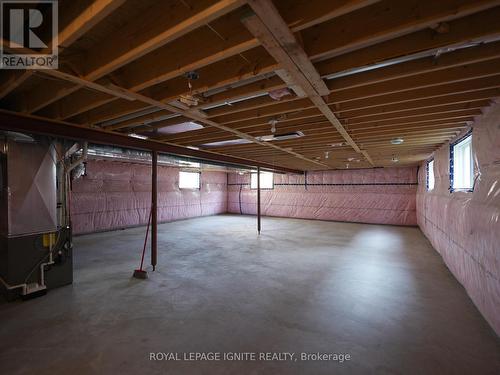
<point x="378" y="196"/>
<point x="464" y="227"/>
<point x="118" y="194"/>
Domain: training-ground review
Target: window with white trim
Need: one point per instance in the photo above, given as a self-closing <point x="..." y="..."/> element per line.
<point x="189" y="180"/>
<point x="266" y="180"/>
<point x="430" y="175"/>
<point x="461" y="165"/>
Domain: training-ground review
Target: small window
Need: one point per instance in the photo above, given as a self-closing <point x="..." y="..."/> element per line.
<point x="430" y="175"/>
<point x="266" y="180"/>
<point x="461" y="165"/>
<point x="189" y="180"/>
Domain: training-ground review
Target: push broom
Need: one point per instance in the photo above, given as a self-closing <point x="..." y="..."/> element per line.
<point x="140" y="273"/>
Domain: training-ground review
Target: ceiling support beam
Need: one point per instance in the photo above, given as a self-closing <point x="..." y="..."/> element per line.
<point x="271" y="30"/>
<point x="130" y="54"/>
<point x="193" y="114"/>
<point x="86" y="20"/>
<point x="140" y="77"/>
<point x="472" y="28"/>
<point x="14" y="80"/>
<point x="91" y="16"/>
<point x="32" y="124"/>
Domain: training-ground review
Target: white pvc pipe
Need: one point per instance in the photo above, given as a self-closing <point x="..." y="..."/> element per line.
<point x="11" y="287"/>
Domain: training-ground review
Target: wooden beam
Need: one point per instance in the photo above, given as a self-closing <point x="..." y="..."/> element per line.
<point x="437" y="40"/>
<point x="196" y="115"/>
<point x="370" y="107"/>
<point x="116" y="111"/>
<point x="125" y="53"/>
<point x="34" y="124"/>
<point x="268" y="26"/>
<point x="139" y="75"/>
<point x="102" y="62"/>
<point x="440" y="91"/>
<point x="273" y="33"/>
<point x="419" y="41"/>
<point x="13" y="79"/>
<point x="426" y="80"/>
<point x="224" y="73"/>
<point x="86" y="20"/>
<point x="476" y="28"/>
<point x="465" y="56"/>
<point x="382" y="21"/>
<point x="75" y="29"/>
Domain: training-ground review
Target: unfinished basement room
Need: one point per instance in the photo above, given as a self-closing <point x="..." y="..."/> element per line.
<point x="237" y="187"/>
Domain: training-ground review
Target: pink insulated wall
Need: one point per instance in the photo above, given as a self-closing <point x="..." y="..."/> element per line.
<point x="118" y="194"/>
<point x="380" y="196"/>
<point x="464" y="227"/>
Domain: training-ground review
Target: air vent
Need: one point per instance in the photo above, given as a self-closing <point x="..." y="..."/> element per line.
<point x="281" y="137"/>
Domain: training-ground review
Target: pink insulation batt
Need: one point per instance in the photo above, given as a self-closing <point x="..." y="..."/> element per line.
<point x="464" y="227"/>
<point x="118" y="194"/>
<point x="378" y="196"/>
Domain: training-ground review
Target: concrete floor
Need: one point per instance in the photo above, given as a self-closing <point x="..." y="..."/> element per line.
<point x="379" y="293"/>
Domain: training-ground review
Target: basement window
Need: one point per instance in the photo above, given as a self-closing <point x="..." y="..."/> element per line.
<point x="266" y="180"/>
<point x="189" y="180"/>
<point x="461" y="165"/>
<point x="430" y="175"/>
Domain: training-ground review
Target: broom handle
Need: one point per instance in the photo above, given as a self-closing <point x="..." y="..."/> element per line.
<point x="146" y="239"/>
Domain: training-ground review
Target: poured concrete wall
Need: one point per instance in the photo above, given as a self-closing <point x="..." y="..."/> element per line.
<point x="378" y="196"/>
<point x="118" y="195"/>
<point x="464" y="227"/>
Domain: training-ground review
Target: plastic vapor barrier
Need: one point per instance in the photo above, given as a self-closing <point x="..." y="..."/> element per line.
<point x="379" y="196"/>
<point x="464" y="227"/>
<point x="118" y="194"/>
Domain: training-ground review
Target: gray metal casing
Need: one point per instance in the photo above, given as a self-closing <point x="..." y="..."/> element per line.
<point x="28" y="188"/>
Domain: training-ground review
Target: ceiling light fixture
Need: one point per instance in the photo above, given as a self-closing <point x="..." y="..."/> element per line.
<point x="133" y="135"/>
<point x="397" y="141"/>
<point x="338" y="144"/>
<point x="273" y="123"/>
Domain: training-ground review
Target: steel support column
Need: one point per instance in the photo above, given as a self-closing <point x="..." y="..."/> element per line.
<point x="154" y="210"/>
<point x="258" y="200"/>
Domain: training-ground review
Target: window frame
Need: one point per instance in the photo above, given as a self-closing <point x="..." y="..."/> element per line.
<point x="428" y="174"/>
<point x="189" y="188"/>
<point x="452" y="161"/>
<point x="268" y="188"/>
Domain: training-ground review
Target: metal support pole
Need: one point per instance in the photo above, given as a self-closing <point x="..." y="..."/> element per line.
<point x="154" y="211"/>
<point x="258" y="199"/>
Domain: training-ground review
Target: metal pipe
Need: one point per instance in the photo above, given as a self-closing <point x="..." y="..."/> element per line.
<point x="154" y="211"/>
<point x="258" y="200"/>
<point x="11" y="287"/>
<point x="81" y="159"/>
<point x="49" y="263"/>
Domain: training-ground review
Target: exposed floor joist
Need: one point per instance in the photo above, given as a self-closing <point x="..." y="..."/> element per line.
<point x="422" y="70"/>
<point x="273" y="33"/>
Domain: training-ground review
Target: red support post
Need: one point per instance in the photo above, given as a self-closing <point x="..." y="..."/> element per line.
<point x="258" y="200"/>
<point x="154" y="210"/>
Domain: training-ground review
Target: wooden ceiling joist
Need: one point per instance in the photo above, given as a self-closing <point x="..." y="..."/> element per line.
<point x="86" y="20"/>
<point x="102" y="63"/>
<point x="374" y="69"/>
<point x="268" y="26"/>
